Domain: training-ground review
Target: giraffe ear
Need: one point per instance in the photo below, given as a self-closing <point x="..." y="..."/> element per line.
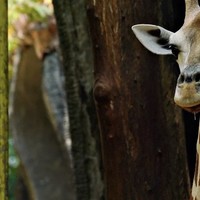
<point x="154" y="38"/>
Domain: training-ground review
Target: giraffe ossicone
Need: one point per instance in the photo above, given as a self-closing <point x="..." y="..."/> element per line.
<point x="185" y="46"/>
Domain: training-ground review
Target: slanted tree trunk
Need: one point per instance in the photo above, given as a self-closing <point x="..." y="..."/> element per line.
<point x="78" y="66"/>
<point x="46" y="166"/>
<point x="3" y="101"/>
<point x="142" y="131"/>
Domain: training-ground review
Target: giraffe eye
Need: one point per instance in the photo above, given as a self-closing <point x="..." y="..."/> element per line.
<point x="174" y="49"/>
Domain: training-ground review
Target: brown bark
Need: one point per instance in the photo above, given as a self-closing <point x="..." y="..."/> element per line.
<point x="142" y="132"/>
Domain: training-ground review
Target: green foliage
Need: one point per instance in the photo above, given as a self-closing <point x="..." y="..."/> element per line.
<point x="35" y="10"/>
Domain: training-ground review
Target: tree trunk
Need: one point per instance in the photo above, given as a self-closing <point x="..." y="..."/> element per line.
<point x="3" y="101"/>
<point x="78" y="64"/>
<point x="142" y="131"/>
<point x="46" y="166"/>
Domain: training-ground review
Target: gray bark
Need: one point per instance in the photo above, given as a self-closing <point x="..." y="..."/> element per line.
<point x="78" y="66"/>
<point x="47" y="167"/>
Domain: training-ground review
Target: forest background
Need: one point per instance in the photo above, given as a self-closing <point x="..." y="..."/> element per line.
<point x="91" y="111"/>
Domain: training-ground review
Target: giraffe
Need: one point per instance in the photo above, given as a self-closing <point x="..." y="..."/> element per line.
<point x="185" y="46"/>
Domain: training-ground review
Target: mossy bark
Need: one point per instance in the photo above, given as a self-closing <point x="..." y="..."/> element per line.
<point x="3" y="101"/>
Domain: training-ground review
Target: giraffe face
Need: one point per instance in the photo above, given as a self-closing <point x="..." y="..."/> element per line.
<point x="187" y="40"/>
<point x="185" y="46"/>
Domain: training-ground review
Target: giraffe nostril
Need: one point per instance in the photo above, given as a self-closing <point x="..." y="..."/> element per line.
<point x="197" y="77"/>
<point x="188" y="79"/>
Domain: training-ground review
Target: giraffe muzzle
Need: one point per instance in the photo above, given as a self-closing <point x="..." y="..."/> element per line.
<point x="187" y="94"/>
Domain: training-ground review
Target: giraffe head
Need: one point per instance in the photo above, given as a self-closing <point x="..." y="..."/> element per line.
<point x="185" y="46"/>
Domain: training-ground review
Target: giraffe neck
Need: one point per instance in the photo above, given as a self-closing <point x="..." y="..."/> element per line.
<point x="195" y="195"/>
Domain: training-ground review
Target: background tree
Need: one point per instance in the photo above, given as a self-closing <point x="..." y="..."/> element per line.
<point x="34" y="82"/>
<point x="142" y="131"/>
<point x="37" y="120"/>
<point x="75" y="44"/>
<point x="3" y="101"/>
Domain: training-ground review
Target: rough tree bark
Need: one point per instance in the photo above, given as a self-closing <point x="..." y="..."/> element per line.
<point x="3" y="101"/>
<point x="78" y="65"/>
<point x="142" y="131"/>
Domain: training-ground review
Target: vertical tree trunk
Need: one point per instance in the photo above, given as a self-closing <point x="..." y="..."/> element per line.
<point x="78" y="64"/>
<point x="142" y="132"/>
<point x="3" y="101"/>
